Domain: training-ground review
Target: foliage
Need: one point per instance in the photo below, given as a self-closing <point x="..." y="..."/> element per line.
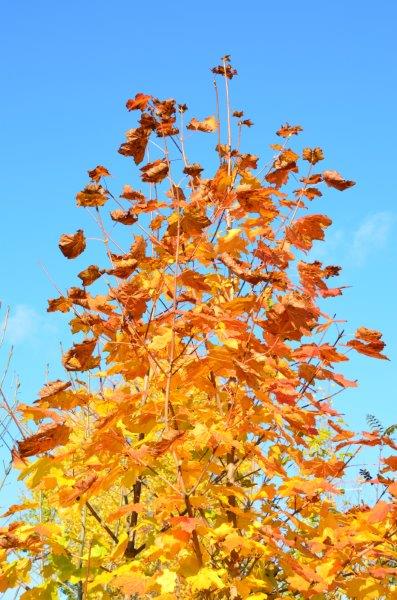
<point x="194" y="451"/>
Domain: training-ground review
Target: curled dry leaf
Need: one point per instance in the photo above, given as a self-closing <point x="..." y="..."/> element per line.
<point x="194" y="170"/>
<point x="155" y="172"/>
<point x="313" y="155"/>
<point x="368" y="342"/>
<point x="98" y="172"/>
<point x="92" y="195"/>
<point x="288" y="130"/>
<point x="135" y="146"/>
<point x="72" y="244"/>
<point x="207" y="124"/>
<point x="131" y="194"/>
<point x="90" y="274"/>
<point x="49" y="437"/>
<point x="79" y="357"/>
<point x="335" y="180"/>
<point x="122" y="267"/>
<point x="126" y="217"/>
<point x="225" y="70"/>
<point x="61" y="304"/>
<point x="305" y="230"/>
<point x="53" y="387"/>
<point x="140" y="102"/>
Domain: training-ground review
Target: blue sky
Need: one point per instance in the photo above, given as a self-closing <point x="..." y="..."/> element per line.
<point x="67" y="69"/>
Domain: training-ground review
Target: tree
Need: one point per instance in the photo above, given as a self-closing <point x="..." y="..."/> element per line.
<point x="193" y="451"/>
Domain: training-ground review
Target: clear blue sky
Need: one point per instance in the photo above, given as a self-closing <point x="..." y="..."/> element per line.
<point x="67" y="69"/>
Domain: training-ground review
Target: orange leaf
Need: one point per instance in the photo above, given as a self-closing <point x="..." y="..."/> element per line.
<point x="140" y="102"/>
<point x="72" y="244"/>
<point x="48" y="438"/>
<point x="155" y="172"/>
<point x="306" y="229"/>
<point x="92" y="195"/>
<point x="333" y="179"/>
<point x="98" y="172"/>
<point x="79" y="357"/>
<point x="313" y="155"/>
<point x="287" y="130"/>
<point x="90" y="274"/>
<point x="207" y="124"/>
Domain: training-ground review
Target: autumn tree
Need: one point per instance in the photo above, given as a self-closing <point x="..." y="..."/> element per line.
<point x="183" y="455"/>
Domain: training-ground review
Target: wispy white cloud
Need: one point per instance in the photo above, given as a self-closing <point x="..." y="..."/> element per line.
<point x="371" y="236"/>
<point x="26" y="325"/>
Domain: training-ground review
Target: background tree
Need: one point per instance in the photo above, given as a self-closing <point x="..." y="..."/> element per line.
<point x="194" y="451"/>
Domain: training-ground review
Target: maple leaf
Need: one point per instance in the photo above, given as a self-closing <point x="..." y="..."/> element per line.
<point x="140" y="102"/>
<point x="126" y="217"/>
<point x="62" y="304"/>
<point x="313" y="155"/>
<point x="155" y="172"/>
<point x="90" y="274"/>
<point x="226" y="70"/>
<point x="207" y="124"/>
<point x="130" y="194"/>
<point x="368" y="342"/>
<point x="333" y="179"/>
<point x="79" y="358"/>
<point x="52" y="388"/>
<point x="72" y="244"/>
<point x="98" y="172"/>
<point x="135" y="146"/>
<point x="305" y="230"/>
<point x="288" y="130"/>
<point x="48" y="438"/>
<point x="92" y="195"/>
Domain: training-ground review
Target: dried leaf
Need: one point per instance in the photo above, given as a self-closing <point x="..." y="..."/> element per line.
<point x="313" y="155"/>
<point x="155" y="172"/>
<point x="98" y="172"/>
<point x="72" y="244"/>
<point x="333" y="179"/>
<point x="207" y="124"/>
<point x="79" y="357"/>
<point x="48" y="438"/>
<point x="140" y="102"/>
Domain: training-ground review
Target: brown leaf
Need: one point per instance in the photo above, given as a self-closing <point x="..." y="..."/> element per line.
<point x="368" y="342"/>
<point x="46" y="439"/>
<point x="126" y="217"/>
<point x="247" y="161"/>
<point x="306" y="229"/>
<point x="79" y="357"/>
<point x="140" y="102"/>
<point x="225" y="70"/>
<point x="122" y="267"/>
<point x="155" y="172"/>
<point x="92" y="195"/>
<point x="131" y="194"/>
<point x="207" y="124"/>
<point x="313" y="155"/>
<point x="194" y="170"/>
<point x="62" y="304"/>
<point x="90" y="274"/>
<point x="135" y="146"/>
<point x="98" y="172"/>
<point x="287" y="130"/>
<point x="242" y="270"/>
<point x="333" y="179"/>
<point x="52" y="388"/>
<point x="72" y="244"/>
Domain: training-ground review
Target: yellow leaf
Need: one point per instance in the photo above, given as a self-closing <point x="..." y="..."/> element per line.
<point x="167" y="581"/>
<point x="160" y="341"/>
<point x="205" y="579"/>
